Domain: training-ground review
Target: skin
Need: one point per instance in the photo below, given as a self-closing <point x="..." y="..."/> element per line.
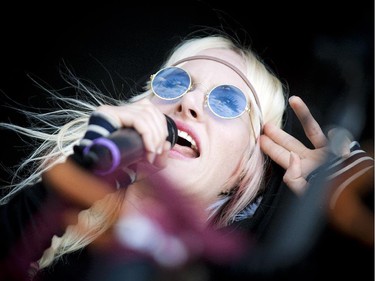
<point x="204" y="176"/>
<point x="298" y="160"/>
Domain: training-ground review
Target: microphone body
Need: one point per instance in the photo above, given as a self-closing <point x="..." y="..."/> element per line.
<point x="121" y="148"/>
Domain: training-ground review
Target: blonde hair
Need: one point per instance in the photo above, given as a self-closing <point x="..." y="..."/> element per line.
<point x="272" y="97"/>
<point x="59" y="142"/>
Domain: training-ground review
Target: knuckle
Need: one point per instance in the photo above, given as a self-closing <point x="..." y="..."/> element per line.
<point x="286" y="178"/>
<point x="104" y="107"/>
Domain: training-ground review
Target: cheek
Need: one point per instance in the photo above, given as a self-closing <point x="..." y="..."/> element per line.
<point x="231" y="146"/>
<point x="233" y="142"/>
<point x="224" y="163"/>
<point x="156" y="101"/>
<point x="163" y="105"/>
<point x="232" y="155"/>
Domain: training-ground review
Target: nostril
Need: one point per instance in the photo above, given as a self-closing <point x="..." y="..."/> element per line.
<point x="186" y="109"/>
<point x="193" y="113"/>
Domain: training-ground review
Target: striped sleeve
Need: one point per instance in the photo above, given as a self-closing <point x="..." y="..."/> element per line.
<point x="343" y="172"/>
<point x="99" y="125"/>
<point x="350" y="195"/>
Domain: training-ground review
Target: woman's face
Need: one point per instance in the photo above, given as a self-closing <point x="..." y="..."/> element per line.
<point x="221" y="143"/>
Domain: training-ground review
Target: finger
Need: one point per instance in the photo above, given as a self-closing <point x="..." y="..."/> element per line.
<point x="157" y="123"/>
<point x="150" y="156"/>
<point x="147" y="120"/>
<point x="109" y="114"/>
<point x="129" y="116"/>
<point x="310" y="126"/>
<point x="293" y="175"/>
<point x="162" y="159"/>
<point x="276" y="152"/>
<point x="160" y="127"/>
<point x="147" y="131"/>
<point x="284" y="139"/>
<point x="153" y="133"/>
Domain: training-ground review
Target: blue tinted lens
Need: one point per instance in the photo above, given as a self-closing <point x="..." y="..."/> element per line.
<point x="227" y="101"/>
<point x="170" y="83"/>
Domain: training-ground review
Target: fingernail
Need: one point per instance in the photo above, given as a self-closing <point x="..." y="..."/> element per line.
<point x="167" y="146"/>
<point x="159" y="150"/>
<point x="152" y="149"/>
<point x="151" y="157"/>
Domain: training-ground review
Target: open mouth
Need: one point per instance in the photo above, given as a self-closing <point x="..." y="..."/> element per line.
<point x="187" y="144"/>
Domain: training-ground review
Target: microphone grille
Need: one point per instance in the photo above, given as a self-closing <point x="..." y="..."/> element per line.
<point x="172" y="131"/>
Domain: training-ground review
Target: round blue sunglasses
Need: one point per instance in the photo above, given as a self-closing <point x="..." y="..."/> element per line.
<point x="225" y="101"/>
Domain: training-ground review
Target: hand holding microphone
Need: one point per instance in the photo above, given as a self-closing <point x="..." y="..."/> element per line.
<point x="121" y="148"/>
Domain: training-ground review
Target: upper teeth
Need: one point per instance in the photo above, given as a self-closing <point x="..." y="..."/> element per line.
<point x="187" y="137"/>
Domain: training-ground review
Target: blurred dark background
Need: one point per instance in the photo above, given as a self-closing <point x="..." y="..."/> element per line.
<point x="322" y="50"/>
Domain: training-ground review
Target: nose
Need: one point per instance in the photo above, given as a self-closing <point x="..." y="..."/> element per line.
<point x="191" y="105"/>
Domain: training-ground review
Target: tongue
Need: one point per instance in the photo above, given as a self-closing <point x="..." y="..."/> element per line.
<point x="186" y="151"/>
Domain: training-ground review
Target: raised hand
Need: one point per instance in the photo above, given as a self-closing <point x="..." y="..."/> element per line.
<point x="290" y="153"/>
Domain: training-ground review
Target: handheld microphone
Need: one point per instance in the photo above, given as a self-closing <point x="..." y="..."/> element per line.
<point x="121" y="148"/>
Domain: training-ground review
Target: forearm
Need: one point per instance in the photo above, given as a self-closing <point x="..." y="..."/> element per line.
<point x="349" y="186"/>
